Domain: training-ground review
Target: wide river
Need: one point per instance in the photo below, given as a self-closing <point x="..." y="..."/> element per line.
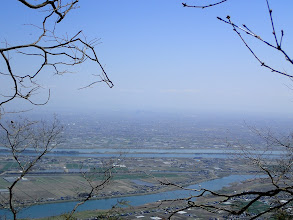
<point x="46" y="210"/>
<point x="149" y="153"/>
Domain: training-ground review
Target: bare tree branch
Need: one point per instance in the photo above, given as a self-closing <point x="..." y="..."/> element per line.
<point x="56" y="7"/>
<point x="55" y="51"/>
<point x="204" y="6"/>
<point x="94" y="188"/>
<point x="23" y="135"/>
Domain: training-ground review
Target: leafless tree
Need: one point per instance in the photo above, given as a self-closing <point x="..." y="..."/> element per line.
<point x="278" y="171"/>
<point x="275" y="45"/>
<point x="18" y="137"/>
<point x="95" y="187"/>
<point x="47" y="52"/>
<point x="56" y="52"/>
<point x="27" y="143"/>
<point x="277" y="179"/>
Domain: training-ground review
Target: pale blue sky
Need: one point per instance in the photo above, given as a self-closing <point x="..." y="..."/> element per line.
<point x="163" y="57"/>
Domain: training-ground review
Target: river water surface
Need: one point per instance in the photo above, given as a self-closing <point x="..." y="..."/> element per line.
<point x="46" y="210"/>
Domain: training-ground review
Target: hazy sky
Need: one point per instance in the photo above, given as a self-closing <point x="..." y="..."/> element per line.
<point x="163" y="57"/>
